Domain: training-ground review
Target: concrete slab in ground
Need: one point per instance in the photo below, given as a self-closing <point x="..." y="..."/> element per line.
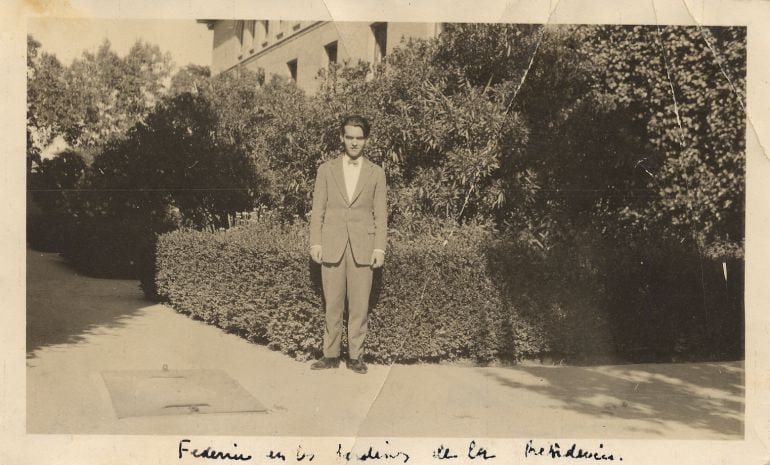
<point x="80" y="326"/>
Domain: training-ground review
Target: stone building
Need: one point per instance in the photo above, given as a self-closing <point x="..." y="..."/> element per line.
<point x="299" y="49"/>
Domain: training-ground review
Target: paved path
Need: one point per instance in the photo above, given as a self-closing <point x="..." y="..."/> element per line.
<point x="79" y="326"/>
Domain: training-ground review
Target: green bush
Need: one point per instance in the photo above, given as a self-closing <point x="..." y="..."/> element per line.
<point x="118" y="248"/>
<point x="48" y="232"/>
<point x="430" y="302"/>
<point x="49" y="221"/>
<point x="167" y="170"/>
<point x="174" y="158"/>
<point x="664" y="300"/>
<point x="479" y="297"/>
<point x="104" y="247"/>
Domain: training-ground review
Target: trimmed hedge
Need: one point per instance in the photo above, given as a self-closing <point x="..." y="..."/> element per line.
<point x="49" y="232"/>
<point x="102" y="247"/>
<point x="480" y="297"/>
<point x="429" y="303"/>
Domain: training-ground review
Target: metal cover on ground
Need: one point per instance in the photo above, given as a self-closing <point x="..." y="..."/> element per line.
<point x="141" y="393"/>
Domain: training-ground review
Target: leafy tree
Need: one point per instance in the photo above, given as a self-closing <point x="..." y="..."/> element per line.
<point x="234" y="98"/>
<point x="115" y="93"/>
<point x="192" y="78"/>
<point x="295" y="137"/>
<point x="601" y="142"/>
<point x="440" y="137"/>
<point x="688" y="87"/>
<point x="45" y="95"/>
<point x="99" y="96"/>
<point x="56" y="176"/>
<point x="175" y="158"/>
<point x="636" y="129"/>
<point x="33" y="152"/>
<point x="487" y="54"/>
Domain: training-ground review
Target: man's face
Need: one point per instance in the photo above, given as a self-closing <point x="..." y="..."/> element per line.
<point x="354" y="141"/>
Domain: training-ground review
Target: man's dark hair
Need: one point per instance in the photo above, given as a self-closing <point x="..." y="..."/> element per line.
<point x="355" y="120"/>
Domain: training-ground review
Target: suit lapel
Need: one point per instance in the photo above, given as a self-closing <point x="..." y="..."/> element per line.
<point x="339" y="178"/>
<point x="363" y="179"/>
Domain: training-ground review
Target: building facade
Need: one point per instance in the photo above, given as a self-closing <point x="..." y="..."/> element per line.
<point x="299" y="49"/>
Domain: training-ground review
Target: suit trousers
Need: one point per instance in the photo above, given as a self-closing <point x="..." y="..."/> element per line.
<point x="340" y="279"/>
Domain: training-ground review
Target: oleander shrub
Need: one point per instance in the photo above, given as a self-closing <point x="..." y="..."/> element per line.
<point x="431" y="302"/>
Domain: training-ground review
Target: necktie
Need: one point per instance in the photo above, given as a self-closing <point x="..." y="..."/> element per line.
<point x="353" y="162"/>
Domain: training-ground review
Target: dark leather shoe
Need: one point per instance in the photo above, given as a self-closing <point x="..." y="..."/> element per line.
<point x="357" y="365"/>
<point x="325" y="363"/>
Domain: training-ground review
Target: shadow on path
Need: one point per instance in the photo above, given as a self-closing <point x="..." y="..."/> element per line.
<point x="705" y="396"/>
<point x="63" y="307"/>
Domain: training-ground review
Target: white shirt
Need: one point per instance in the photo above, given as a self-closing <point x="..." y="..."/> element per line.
<point x="351" y="173"/>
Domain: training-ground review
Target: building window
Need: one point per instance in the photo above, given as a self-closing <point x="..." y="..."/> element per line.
<point x="292" y="65"/>
<point x="239" y="34"/>
<point x="331" y="52"/>
<point x="245" y="30"/>
<point x="263" y="33"/>
<point x="380" y="34"/>
<point x="250" y="33"/>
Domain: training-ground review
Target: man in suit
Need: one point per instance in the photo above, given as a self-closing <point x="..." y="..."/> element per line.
<point x="348" y="235"/>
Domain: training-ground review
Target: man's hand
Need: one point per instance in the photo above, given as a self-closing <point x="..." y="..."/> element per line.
<point x="316" y="253"/>
<point x="378" y="259"/>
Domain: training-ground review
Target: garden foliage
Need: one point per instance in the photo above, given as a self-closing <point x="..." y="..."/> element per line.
<point x="99" y="96"/>
<point x="430" y="303"/>
<point x="478" y="297"/>
<point x="606" y="163"/>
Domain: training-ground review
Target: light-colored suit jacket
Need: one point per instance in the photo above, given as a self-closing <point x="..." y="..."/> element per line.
<point x="362" y="220"/>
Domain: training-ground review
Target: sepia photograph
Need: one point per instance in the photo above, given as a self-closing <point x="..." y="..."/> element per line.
<point x="268" y="226"/>
<point x="551" y="219"/>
